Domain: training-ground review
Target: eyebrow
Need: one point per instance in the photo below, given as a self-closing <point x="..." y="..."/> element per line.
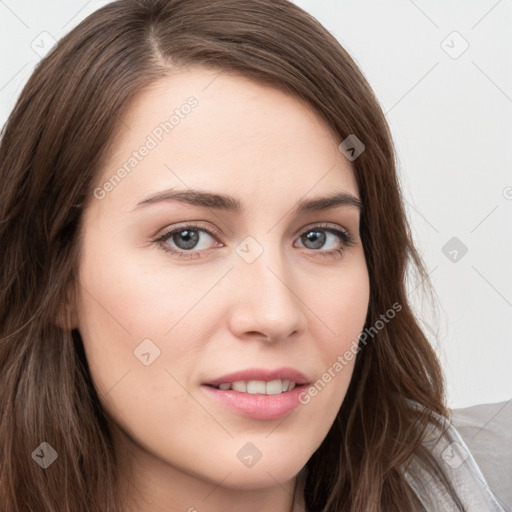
<point x="228" y="203"/>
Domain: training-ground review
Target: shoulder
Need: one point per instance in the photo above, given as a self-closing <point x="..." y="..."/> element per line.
<point x="459" y="468"/>
<point x="485" y="428"/>
<point x="456" y="463"/>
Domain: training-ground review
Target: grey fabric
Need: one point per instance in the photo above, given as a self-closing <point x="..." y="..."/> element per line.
<point x="487" y="431"/>
<point x="459" y="467"/>
<point x="476" y="455"/>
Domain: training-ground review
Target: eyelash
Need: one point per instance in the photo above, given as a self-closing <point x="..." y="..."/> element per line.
<point x="343" y="234"/>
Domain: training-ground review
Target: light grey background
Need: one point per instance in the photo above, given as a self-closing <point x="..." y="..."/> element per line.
<point x="450" y="111"/>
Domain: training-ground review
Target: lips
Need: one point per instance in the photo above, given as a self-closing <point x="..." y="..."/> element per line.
<point x="264" y="401"/>
<point x="257" y="393"/>
<point x="260" y="374"/>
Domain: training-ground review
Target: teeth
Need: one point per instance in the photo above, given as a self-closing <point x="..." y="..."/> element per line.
<point x="255" y="387"/>
<point x="239" y="386"/>
<point x="259" y="387"/>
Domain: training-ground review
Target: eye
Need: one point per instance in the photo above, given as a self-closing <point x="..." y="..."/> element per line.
<point x="185" y="241"/>
<point x="185" y="238"/>
<point x="316" y="237"/>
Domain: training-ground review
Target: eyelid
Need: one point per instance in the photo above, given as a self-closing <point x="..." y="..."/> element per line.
<point x="209" y="228"/>
<point x="187" y="224"/>
<point x="350" y="239"/>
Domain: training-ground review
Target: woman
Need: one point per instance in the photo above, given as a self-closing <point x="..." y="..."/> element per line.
<point x="178" y="333"/>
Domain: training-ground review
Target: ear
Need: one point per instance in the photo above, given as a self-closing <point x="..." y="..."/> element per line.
<point x="67" y="314"/>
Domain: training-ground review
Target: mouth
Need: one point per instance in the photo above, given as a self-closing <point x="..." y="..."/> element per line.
<point x="260" y="380"/>
<point x="257" y="393"/>
<point x="258" y="387"/>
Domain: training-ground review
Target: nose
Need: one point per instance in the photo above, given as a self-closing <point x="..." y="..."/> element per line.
<point x="266" y="301"/>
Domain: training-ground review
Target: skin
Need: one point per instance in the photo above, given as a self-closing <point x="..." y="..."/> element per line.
<point x="209" y="315"/>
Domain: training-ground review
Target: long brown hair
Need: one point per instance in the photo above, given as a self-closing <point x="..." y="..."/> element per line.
<point x="52" y="149"/>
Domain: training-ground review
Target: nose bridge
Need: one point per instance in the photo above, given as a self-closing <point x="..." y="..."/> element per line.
<point x="264" y="298"/>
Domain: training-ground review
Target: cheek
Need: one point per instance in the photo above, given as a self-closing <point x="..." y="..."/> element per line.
<point x="138" y="373"/>
<point x="341" y="307"/>
<point x="141" y="295"/>
<point x="127" y="320"/>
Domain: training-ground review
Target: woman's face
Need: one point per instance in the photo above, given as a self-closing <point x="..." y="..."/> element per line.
<point x="263" y="288"/>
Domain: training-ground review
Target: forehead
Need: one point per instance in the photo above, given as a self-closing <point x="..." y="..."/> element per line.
<point x="200" y="128"/>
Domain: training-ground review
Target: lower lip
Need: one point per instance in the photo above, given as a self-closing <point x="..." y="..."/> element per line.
<point x="258" y="406"/>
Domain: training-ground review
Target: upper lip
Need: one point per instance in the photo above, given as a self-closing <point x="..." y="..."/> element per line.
<point x="290" y="374"/>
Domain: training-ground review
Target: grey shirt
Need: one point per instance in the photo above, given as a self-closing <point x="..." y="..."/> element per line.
<point x="460" y="468"/>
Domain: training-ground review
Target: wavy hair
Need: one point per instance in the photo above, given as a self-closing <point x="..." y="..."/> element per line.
<point x="51" y="152"/>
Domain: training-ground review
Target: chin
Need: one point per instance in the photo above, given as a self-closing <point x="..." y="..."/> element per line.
<point x="262" y="474"/>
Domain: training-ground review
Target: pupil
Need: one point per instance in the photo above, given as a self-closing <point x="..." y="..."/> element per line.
<point x="186" y="239"/>
<point x="317" y="237"/>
